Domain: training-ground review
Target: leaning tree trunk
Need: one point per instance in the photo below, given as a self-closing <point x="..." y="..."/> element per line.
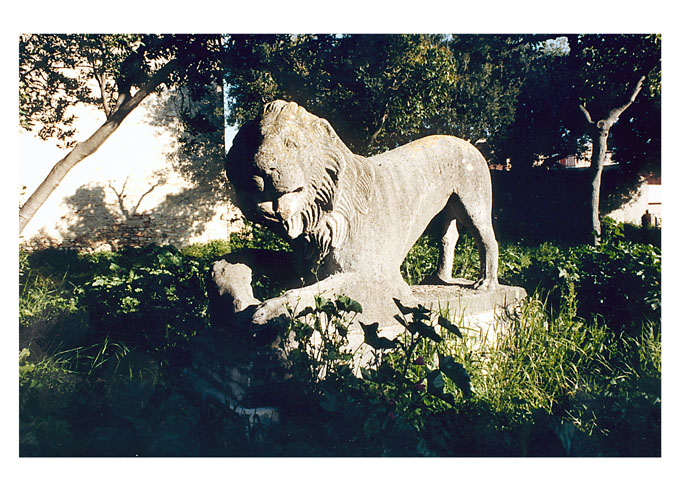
<point x="86" y="148"/>
<point x="599" y="132"/>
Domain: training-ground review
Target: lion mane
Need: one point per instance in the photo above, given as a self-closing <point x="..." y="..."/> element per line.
<point x="337" y="183"/>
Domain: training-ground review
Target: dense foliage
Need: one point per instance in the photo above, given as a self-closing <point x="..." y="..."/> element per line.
<point x="597" y="71"/>
<point x="380" y="91"/>
<point x="104" y="339"/>
<point x="59" y="71"/>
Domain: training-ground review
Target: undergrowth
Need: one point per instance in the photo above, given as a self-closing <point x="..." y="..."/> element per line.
<point x="104" y="338"/>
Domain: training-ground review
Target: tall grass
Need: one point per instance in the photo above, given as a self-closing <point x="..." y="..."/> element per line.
<point x="588" y="383"/>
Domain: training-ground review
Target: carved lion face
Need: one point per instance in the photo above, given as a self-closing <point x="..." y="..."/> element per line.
<point x="288" y="178"/>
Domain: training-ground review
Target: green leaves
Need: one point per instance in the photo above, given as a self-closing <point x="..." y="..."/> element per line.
<point x="346" y="304"/>
<point x="435" y="386"/>
<point x="457" y="373"/>
<point x="402" y="308"/>
<point x="380" y="91"/>
<point x="446" y="324"/>
<point x="372" y="339"/>
<point x="424" y="330"/>
<point x="324" y="305"/>
<point x="328" y="321"/>
<point x="420" y="323"/>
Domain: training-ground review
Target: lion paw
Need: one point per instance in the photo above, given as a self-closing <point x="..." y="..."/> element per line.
<point x="273" y="309"/>
<point x="435" y="279"/>
<point x="485" y="284"/>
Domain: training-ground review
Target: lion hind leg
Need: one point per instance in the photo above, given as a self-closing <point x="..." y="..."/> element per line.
<point x="488" y="256"/>
<point x="478" y="222"/>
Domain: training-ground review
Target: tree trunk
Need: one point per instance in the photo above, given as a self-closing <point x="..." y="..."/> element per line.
<point x="88" y="147"/>
<point x="596" y="167"/>
<point x="599" y="131"/>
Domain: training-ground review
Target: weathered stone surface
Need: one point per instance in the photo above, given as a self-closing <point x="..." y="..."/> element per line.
<point x="357" y="216"/>
<point x="351" y="220"/>
<point x="230" y="292"/>
<point x="461" y="299"/>
<point x="483" y="314"/>
<point x="236" y="374"/>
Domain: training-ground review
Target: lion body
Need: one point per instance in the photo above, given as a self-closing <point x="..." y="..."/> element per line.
<point x="360" y="215"/>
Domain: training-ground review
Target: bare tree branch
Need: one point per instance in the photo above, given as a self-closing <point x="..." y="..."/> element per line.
<point x="585" y="113"/>
<point x="371" y="141"/>
<point x="99" y="77"/>
<point x="120" y="196"/>
<point x="144" y="195"/>
<point x="616" y="112"/>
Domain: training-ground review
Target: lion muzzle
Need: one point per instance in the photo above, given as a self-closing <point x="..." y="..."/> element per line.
<point x="286" y="210"/>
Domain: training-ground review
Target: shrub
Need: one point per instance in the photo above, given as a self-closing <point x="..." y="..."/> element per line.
<point x="153" y="298"/>
<point x="208" y="252"/>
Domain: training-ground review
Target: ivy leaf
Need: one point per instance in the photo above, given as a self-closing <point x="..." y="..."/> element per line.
<point x="346" y="304"/>
<point x="325" y="305"/>
<point x="449" y="326"/>
<point x="456" y="372"/>
<point x="305" y="332"/>
<point x="435" y="386"/>
<point x="305" y="312"/>
<point x="426" y="331"/>
<point x="320" y="302"/>
<point x="372" y="339"/>
<point x="435" y="381"/>
<point x="421" y="313"/>
<point x="370" y="330"/>
<point x="402" y="308"/>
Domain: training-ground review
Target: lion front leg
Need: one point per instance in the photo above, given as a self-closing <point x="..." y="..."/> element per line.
<point x="296" y="300"/>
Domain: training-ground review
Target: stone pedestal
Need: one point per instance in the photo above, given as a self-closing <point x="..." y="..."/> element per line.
<point x="485" y="313"/>
<point x="230" y="373"/>
<point x="482" y="313"/>
<point x="460" y="299"/>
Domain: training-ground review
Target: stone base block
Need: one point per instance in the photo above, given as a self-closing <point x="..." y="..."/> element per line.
<point x="227" y="375"/>
<point x="460" y="299"/>
<point x="482" y="312"/>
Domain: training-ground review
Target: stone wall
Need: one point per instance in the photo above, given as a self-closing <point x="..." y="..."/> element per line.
<point x="140" y="187"/>
<point x="647" y="200"/>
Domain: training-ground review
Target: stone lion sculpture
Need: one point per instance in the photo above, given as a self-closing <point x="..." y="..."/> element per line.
<point x="357" y="217"/>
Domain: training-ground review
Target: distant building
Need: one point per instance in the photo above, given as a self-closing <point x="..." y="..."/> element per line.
<point x="492" y="161"/>
<point x="575" y="162"/>
<point x="647" y="202"/>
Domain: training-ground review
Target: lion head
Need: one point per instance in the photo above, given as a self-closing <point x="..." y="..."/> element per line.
<point x="292" y="173"/>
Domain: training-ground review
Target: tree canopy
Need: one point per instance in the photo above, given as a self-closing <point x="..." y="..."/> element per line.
<point x="598" y="72"/>
<point x="380" y="91"/>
